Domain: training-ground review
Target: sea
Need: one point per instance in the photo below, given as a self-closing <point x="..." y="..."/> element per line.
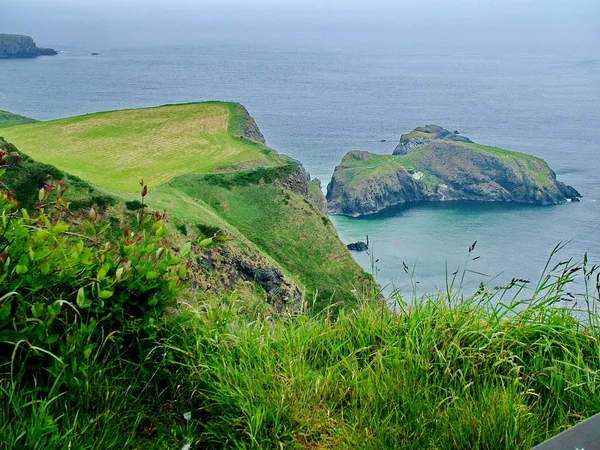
<point x="316" y="103"/>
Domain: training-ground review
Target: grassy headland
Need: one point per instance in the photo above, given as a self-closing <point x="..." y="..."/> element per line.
<point x="242" y="189"/>
<point x="113" y="148"/>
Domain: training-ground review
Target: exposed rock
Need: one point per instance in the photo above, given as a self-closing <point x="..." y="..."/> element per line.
<point x="223" y="267"/>
<point x="359" y="246"/>
<point x="18" y="46"/>
<point x="249" y="128"/>
<point x="443" y="169"/>
<point x="316" y="196"/>
<point x="424" y="135"/>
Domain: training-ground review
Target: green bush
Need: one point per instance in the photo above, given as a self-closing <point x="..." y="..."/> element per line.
<point x="56" y="283"/>
<point x="134" y="205"/>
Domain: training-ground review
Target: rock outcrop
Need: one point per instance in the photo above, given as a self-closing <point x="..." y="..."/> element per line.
<point x="18" y="46"/>
<point x="224" y="267"/>
<point x="434" y="164"/>
<point x="359" y="246"/>
<point x="247" y="128"/>
<point x="424" y="135"/>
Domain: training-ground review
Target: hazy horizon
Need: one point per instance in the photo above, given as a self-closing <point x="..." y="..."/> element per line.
<point x="519" y="25"/>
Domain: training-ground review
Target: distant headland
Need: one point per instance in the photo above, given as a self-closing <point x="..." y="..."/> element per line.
<point x="19" y="46"/>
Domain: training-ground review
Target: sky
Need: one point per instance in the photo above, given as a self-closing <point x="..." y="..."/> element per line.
<point x="307" y="22"/>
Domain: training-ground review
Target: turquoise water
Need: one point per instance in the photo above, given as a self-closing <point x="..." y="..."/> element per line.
<point x="512" y="241"/>
<point x="315" y="104"/>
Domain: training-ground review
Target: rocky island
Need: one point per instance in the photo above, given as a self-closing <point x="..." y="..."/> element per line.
<point x="433" y="164"/>
<point x="19" y="46"/>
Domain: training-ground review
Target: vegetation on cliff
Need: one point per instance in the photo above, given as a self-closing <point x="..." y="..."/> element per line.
<point x="281" y="241"/>
<point x="505" y="368"/>
<point x="433" y="164"/>
<point x="19" y="46"/>
<point x="8" y="119"/>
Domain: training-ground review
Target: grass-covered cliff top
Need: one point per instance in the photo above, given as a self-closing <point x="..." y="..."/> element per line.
<point x="207" y="165"/>
<point x="114" y="148"/>
<point x="8" y="119"/>
<point x="358" y="165"/>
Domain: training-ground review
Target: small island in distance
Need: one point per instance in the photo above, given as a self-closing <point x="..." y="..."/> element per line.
<point x="433" y="164"/>
<point x="20" y="46"/>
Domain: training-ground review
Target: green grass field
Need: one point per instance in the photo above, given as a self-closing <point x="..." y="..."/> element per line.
<point x="115" y="149"/>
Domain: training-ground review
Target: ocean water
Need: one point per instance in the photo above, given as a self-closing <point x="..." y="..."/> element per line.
<point x="316" y="104"/>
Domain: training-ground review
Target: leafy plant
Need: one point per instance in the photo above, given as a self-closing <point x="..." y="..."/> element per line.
<point x="57" y="283"/>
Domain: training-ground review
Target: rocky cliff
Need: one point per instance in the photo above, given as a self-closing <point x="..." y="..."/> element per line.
<point x="18" y="46"/>
<point x="434" y="164"/>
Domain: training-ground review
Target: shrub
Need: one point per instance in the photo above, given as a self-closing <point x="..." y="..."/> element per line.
<point x="134" y="205"/>
<point x="56" y="283"/>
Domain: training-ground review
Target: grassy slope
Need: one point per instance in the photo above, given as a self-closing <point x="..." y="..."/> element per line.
<point x="8" y="119"/>
<point x="283" y="225"/>
<point x="374" y="165"/>
<point x="115" y="149"/>
<point x="446" y="372"/>
<point x="24" y="177"/>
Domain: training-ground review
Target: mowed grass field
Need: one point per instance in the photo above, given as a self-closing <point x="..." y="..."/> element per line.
<point x="115" y="149"/>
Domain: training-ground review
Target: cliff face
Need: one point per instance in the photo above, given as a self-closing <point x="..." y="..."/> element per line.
<point x="441" y="167"/>
<point x="18" y="46"/>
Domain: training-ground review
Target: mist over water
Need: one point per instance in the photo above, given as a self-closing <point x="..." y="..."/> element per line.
<point x="323" y="82"/>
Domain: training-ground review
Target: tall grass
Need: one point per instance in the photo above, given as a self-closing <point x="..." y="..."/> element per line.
<point x="503" y="368"/>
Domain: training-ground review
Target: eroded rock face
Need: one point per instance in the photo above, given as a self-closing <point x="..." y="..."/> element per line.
<point x="250" y="129"/>
<point x="372" y="195"/>
<point x="223" y="267"/>
<point x="441" y="166"/>
<point x="18" y="46"/>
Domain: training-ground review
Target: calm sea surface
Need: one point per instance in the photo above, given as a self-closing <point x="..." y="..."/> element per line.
<point x="315" y="105"/>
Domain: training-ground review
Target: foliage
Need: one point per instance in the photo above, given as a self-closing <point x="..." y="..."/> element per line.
<point x="57" y="283"/>
<point x="134" y="205"/>
<point x="267" y="175"/>
<point x="504" y="368"/>
<point x="24" y="177"/>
